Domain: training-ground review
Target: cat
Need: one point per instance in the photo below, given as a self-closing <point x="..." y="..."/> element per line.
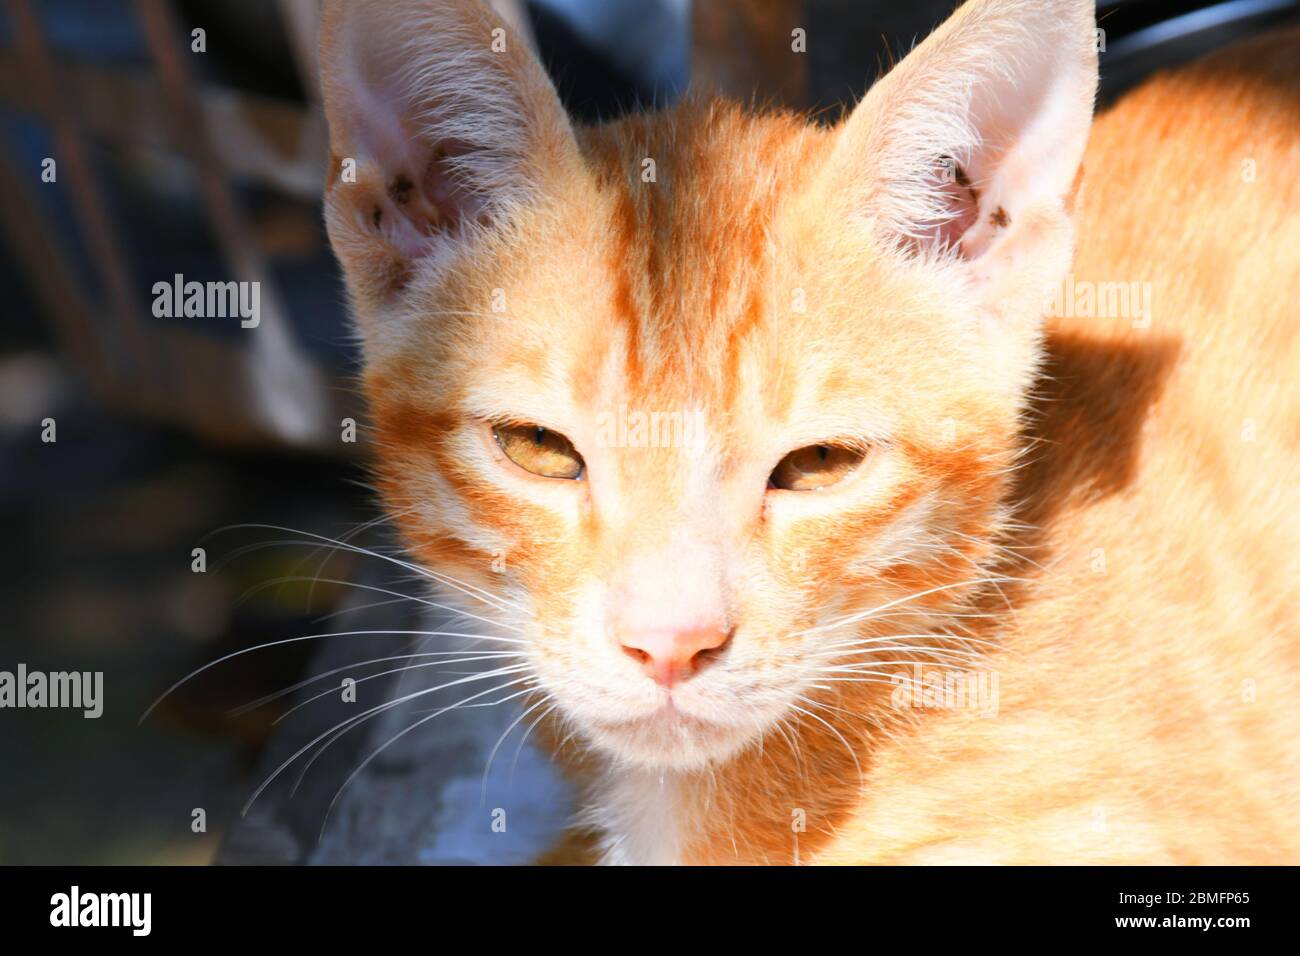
<point x="887" y="492"/>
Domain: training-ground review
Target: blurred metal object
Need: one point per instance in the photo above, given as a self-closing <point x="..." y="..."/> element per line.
<point x="1130" y="58"/>
<point x="273" y="142"/>
<point x="261" y="387"/>
<point x="286" y="388"/>
<point x="853" y="42"/>
<point x="123" y="306"/>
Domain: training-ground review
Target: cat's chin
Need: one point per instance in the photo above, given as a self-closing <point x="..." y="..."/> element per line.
<point x="670" y="740"/>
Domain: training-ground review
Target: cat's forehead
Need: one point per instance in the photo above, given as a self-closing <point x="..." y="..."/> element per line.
<point x="688" y="267"/>
<point x="690" y="201"/>
<point x="725" y="276"/>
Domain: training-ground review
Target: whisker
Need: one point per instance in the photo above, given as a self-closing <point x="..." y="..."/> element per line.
<point x="292" y="579"/>
<point x="397" y="670"/>
<point x="510" y="780"/>
<point x="936" y="655"/>
<point x="307" y="681"/>
<point x="862" y="615"/>
<point x="779" y="727"/>
<point x="493" y="703"/>
<point x="353" y="608"/>
<point x="463" y="702"/>
<point x="463" y="586"/>
<point x="364" y="526"/>
<point x="308" y="637"/>
<point x="392" y="740"/>
<point x="832" y="729"/>
<point x="360" y="718"/>
<point x="861" y="680"/>
<point x="1010" y="551"/>
<point x="883" y="638"/>
<point x="865" y="666"/>
<point x="487" y="769"/>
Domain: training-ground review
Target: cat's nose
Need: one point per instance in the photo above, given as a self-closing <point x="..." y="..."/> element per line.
<point x="670" y="655"/>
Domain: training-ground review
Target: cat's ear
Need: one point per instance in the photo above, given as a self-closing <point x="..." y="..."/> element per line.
<point x="441" y="121"/>
<point x="970" y="147"/>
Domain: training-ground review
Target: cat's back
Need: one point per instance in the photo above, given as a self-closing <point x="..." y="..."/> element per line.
<point x="1192" y="187"/>
<point x="1191" y="203"/>
<point x="1150" y="681"/>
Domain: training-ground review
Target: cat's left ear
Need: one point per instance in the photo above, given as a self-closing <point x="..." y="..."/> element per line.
<point x="968" y="151"/>
<point x="441" y="121"/>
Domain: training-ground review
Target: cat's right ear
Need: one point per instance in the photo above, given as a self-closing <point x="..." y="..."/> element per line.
<point x="441" y="122"/>
<point x="968" y="152"/>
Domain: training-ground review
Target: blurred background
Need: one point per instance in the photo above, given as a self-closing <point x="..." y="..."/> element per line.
<point x="187" y="139"/>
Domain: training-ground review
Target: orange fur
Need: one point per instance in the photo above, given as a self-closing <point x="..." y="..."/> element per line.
<point x="1101" y="515"/>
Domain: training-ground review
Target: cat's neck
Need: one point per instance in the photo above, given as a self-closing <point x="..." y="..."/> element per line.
<point x="806" y="782"/>
<point x="641" y="815"/>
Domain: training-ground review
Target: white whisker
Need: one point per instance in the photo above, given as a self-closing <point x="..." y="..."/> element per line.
<point x="305" y="682"/>
<point x="487" y="768"/>
<point x="360" y="718"/>
<point x="308" y="637"/>
<point x="462" y="586"/>
<point x="863" y="615"/>
<point x="396" y="670"/>
<point x="391" y="740"/>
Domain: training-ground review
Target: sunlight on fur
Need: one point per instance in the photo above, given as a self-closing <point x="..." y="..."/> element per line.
<point x="753" y="430"/>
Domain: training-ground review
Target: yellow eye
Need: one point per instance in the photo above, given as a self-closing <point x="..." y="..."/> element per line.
<point x="815" y="467"/>
<point x="539" y="450"/>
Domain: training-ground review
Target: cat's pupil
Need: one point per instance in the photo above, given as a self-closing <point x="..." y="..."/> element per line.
<point x="823" y="452"/>
<point x="539" y="434"/>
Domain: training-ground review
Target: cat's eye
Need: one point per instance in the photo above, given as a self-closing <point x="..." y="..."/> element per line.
<point x="539" y="450"/>
<point x="815" y="467"/>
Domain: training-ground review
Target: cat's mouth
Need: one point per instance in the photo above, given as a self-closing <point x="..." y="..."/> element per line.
<point x="669" y="737"/>
<point x="667" y="715"/>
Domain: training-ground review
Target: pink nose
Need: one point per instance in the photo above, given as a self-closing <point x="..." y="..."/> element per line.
<point x="669" y="655"/>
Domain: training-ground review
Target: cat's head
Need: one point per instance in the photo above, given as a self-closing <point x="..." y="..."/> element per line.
<point x="701" y="400"/>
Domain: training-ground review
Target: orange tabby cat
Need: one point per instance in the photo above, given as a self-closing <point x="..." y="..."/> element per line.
<point x="819" y="542"/>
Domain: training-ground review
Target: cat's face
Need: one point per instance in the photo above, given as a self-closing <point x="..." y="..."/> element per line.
<point x="695" y="425"/>
<point x="694" y="341"/>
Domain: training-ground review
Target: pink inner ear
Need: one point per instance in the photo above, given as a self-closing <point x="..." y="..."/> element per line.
<point x="963" y="199"/>
<point x="418" y="204"/>
<point x="420" y="191"/>
<point x="448" y="192"/>
<point x="960" y="199"/>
